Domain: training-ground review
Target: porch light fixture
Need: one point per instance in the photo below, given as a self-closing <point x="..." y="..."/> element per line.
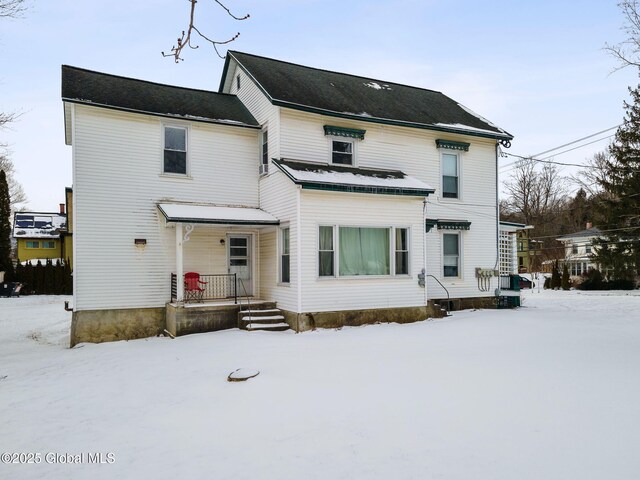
<point x="222" y="241"/>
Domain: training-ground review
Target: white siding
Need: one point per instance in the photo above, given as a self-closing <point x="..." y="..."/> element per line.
<point x="353" y="209"/>
<point x="260" y="107"/>
<point x="278" y="196"/>
<point x="414" y="152"/>
<point x="117" y="183"/>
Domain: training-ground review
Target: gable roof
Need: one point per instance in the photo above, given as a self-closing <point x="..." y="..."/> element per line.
<point x="350" y="96"/>
<point x="129" y="94"/>
<point x="589" y="232"/>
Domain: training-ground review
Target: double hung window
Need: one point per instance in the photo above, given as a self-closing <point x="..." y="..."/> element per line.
<point x="285" y="262"/>
<point x="450" y="175"/>
<point x="451" y="254"/>
<point x="175" y="150"/>
<point x="342" y="152"/>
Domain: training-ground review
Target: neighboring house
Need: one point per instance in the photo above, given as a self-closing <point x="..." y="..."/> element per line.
<point x="336" y="197"/>
<point x="578" y="250"/>
<point x="512" y="246"/>
<point x="38" y="235"/>
<point x="66" y="233"/>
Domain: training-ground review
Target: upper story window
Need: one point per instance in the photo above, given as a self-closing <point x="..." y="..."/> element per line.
<point x="450" y="175"/>
<point x="238" y="82"/>
<point x="574" y="248"/>
<point x="175" y="150"/>
<point x="265" y="148"/>
<point x="587" y="248"/>
<point x="342" y="152"/>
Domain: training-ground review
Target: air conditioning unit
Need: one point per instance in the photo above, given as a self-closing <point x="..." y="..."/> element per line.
<point x="264" y="169"/>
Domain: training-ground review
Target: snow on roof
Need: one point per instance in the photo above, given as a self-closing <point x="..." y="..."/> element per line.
<point x="213" y="214"/>
<point x="38" y="225"/>
<point x="304" y="172"/>
<point x="588" y="233"/>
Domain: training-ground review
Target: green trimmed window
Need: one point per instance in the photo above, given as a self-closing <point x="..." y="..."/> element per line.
<point x="342" y="152"/>
<point x="364" y="251"/>
<point x="450" y="176"/>
<point x="451" y="254"/>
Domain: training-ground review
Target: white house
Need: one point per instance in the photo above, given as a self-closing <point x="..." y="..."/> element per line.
<point x="337" y="199"/>
<point x="578" y="250"/>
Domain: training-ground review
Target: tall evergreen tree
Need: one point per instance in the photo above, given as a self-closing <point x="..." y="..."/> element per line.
<point x="619" y="251"/>
<point x="5" y="228"/>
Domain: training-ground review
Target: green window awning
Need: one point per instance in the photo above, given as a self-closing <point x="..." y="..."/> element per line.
<point x="446" y="224"/>
<point x="450" y="144"/>
<point x="344" y="132"/>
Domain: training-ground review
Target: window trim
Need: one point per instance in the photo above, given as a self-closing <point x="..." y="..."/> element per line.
<point x="281" y="254"/>
<point x="458" y="155"/>
<point x="187" y="137"/>
<point x="354" y="150"/>
<point x="460" y="255"/>
<point x="336" y="252"/>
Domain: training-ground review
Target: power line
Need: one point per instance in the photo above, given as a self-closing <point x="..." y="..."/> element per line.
<point x="576" y="141"/>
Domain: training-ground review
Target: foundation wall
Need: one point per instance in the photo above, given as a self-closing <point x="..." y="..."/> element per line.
<point x="96" y="326"/>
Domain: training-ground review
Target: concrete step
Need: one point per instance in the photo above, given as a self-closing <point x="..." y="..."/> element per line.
<point x="271" y="327"/>
<point x="260" y="313"/>
<point x="263" y="319"/>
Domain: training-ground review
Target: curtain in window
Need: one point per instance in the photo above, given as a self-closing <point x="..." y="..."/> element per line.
<point x="325" y="247"/>
<point x="450" y="254"/>
<point x="364" y="251"/>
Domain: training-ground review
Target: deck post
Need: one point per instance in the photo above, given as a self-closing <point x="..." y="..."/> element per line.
<point x="179" y="264"/>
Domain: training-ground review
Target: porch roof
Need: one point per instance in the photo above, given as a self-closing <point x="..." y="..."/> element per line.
<point x="317" y="176"/>
<point x="215" y="215"/>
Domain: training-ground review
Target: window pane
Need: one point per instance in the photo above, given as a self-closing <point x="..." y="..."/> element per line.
<point x="342" y="158"/>
<point x="175" y="162"/>
<point x="326" y="264"/>
<point x="402" y="263"/>
<point x="238" y="251"/>
<point x="450" y="271"/>
<point x="401" y="239"/>
<point x="238" y="241"/>
<point x="342" y="147"/>
<point x="450" y="244"/>
<point x="238" y="262"/>
<point x="449" y="165"/>
<point x="285" y="241"/>
<point x="450" y="187"/>
<point x="285" y="268"/>
<point x="265" y="147"/>
<point x="364" y="251"/>
<point x="326" y="238"/>
<point x="175" y="138"/>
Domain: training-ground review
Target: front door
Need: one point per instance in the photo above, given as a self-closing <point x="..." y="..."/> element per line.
<point x="239" y="255"/>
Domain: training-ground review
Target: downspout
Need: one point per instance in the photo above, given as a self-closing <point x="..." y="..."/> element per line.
<point x="299" y="256"/>
<point x="497" y="265"/>
<point x="424" y="248"/>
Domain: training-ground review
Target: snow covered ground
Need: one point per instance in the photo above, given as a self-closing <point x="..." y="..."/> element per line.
<point x="548" y="391"/>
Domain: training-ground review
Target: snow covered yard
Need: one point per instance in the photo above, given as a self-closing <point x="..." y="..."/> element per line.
<point x="548" y="391"/>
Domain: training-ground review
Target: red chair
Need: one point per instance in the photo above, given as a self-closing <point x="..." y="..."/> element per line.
<point x="193" y="291"/>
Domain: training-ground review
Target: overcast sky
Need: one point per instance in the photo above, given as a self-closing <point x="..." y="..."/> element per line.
<point x="534" y="67"/>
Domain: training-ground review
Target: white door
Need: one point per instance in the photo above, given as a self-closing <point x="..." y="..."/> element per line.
<point x="239" y="255"/>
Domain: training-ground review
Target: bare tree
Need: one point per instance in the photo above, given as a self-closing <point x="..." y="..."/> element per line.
<point x="12" y="8"/>
<point x="186" y="38"/>
<point x="535" y="193"/>
<point x="627" y="52"/>
<point x="594" y="174"/>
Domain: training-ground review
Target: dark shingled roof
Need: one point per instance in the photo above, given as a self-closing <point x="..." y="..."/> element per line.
<point x="361" y="98"/>
<point x="121" y="93"/>
<point x="589" y="232"/>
